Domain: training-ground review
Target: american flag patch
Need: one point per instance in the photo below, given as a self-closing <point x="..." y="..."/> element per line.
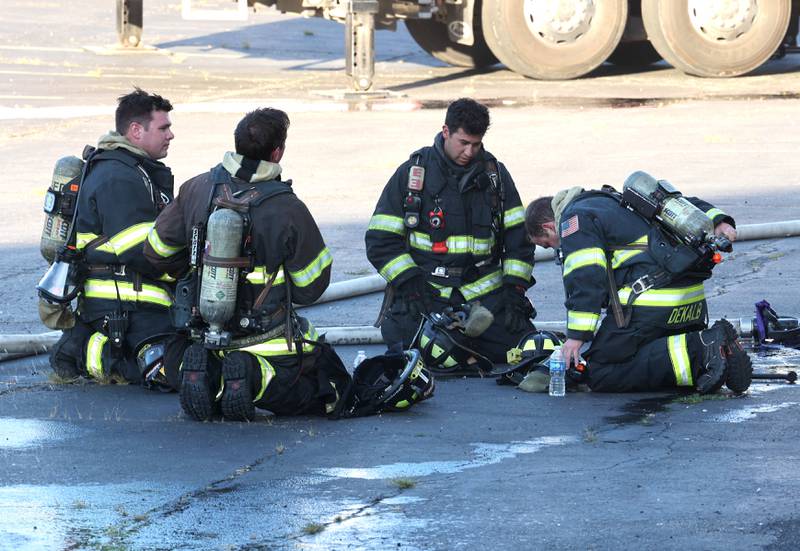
<point x="568" y="227"/>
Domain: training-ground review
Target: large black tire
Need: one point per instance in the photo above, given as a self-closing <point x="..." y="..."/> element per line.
<point x="634" y="54"/>
<point x="680" y="37"/>
<point x="432" y="37"/>
<point x="130" y="21"/>
<point x="540" y="55"/>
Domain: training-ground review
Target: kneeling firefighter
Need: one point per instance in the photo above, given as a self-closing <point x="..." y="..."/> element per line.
<point x="246" y="248"/>
<point x="99" y="211"/>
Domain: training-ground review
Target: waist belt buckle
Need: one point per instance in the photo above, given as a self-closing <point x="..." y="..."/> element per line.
<point x="119" y="270"/>
<point x="440" y="271"/>
<point x="643" y="284"/>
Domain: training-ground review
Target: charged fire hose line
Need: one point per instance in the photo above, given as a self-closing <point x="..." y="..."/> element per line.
<point x="13" y="346"/>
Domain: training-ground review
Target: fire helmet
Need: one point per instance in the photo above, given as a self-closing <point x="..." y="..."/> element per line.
<point x="531" y="352"/>
<point x="392" y="382"/>
<point x="444" y="350"/>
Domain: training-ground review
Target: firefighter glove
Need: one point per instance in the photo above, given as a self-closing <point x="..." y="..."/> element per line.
<point x="414" y="292"/>
<point x="518" y="309"/>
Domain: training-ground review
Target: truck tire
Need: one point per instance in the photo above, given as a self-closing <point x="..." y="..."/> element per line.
<point x="130" y="21"/>
<point x="432" y="37"/>
<point x="634" y="54"/>
<point x="532" y="38"/>
<point x="695" y="39"/>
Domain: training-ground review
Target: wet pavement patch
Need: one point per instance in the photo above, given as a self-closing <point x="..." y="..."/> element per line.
<point x="638" y="411"/>
<point x="25" y="433"/>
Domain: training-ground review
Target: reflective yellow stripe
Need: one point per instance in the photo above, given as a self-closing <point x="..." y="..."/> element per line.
<point x="593" y="256"/>
<point x="106" y="289"/>
<point x="444" y="292"/>
<point x="621" y="256"/>
<point x="127" y="239"/>
<point x="679" y="357"/>
<point x="713" y="213"/>
<point x="83" y="239"/>
<point x="384" y="222"/>
<point x="517" y="268"/>
<point x="665" y="297"/>
<point x="278" y="346"/>
<point x="397" y="266"/>
<point x="309" y="274"/>
<point x="260" y="276"/>
<point x="456" y="244"/>
<point x="582" y="321"/>
<point x="513" y="217"/>
<point x="267" y="374"/>
<point x="162" y="249"/>
<point x="483" y="286"/>
<point x="94" y="355"/>
<point x="166" y="278"/>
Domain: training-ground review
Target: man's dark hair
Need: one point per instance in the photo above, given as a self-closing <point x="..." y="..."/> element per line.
<point x="138" y="106"/>
<point x="468" y="115"/>
<point x="260" y="133"/>
<point x="538" y="213"/>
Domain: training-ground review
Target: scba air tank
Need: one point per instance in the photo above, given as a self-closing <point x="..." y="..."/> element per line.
<point x="658" y="199"/>
<point x="59" y="205"/>
<point x="218" y="283"/>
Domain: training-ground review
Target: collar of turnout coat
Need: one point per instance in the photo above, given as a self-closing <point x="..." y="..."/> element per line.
<point x="250" y="170"/>
<point x="561" y="200"/>
<point x="115" y="140"/>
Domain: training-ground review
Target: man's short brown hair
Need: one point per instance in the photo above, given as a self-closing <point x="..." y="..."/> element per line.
<point x="539" y="212"/>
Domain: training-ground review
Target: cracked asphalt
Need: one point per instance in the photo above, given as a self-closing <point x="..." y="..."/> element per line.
<point x="479" y="466"/>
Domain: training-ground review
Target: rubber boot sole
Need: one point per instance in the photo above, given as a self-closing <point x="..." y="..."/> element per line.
<point x="237" y="398"/>
<point x="195" y="391"/>
<point x="740" y="367"/>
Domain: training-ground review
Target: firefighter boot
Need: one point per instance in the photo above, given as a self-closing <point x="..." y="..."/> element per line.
<point x="740" y="367"/>
<point x="724" y="361"/>
<point x="238" y="374"/>
<point x="196" y="394"/>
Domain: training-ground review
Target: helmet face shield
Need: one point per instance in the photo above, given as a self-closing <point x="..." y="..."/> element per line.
<point x="391" y="383"/>
<point x="150" y="357"/>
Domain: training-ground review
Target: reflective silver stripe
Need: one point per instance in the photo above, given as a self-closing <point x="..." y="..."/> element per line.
<point x="679" y="296"/>
<point x="162" y="249"/>
<point x="397" y="266"/>
<point x="513" y="217"/>
<point x="582" y="321"/>
<point x="482" y="286"/>
<point x="267" y="374"/>
<point x="309" y="274"/>
<point x="83" y="239"/>
<point x="260" y="276"/>
<point x="592" y="256"/>
<point x="679" y="357"/>
<point x="94" y="355"/>
<point x="517" y="268"/>
<point x="385" y="222"/>
<point x="456" y="244"/>
<point x="106" y="289"/>
<point x="127" y="239"/>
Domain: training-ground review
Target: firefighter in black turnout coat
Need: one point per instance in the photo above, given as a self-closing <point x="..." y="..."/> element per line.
<point x="124" y="301"/>
<point x="284" y="260"/>
<point x="654" y="336"/>
<point x="448" y="230"/>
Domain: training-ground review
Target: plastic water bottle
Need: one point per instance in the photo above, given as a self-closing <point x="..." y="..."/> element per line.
<point x="558" y="369"/>
<point x="360" y="357"/>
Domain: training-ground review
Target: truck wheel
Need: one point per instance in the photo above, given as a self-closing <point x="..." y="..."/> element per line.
<point x="553" y="39"/>
<point x="634" y="54"/>
<point x="130" y="21"/>
<point x="432" y="37"/>
<point x="716" y="39"/>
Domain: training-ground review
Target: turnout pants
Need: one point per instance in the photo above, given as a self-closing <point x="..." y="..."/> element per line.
<point x="658" y="350"/>
<point x="399" y="326"/>
<point x="86" y="350"/>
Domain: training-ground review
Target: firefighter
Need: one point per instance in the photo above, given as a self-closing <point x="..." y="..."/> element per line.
<point x="124" y="301"/>
<point x="283" y="259"/>
<point x="654" y="333"/>
<point x="448" y="230"/>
